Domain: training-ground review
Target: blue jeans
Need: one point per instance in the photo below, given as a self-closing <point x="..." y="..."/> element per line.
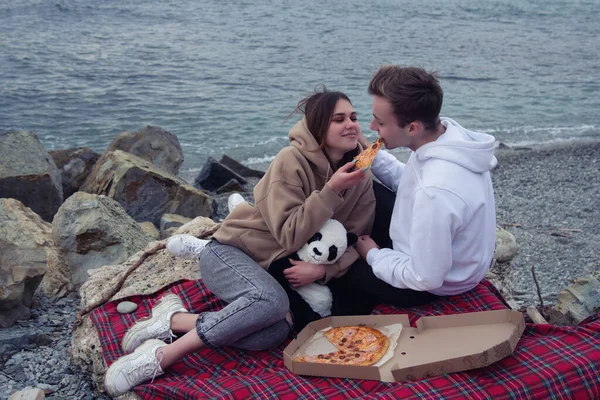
<point x="254" y="319"/>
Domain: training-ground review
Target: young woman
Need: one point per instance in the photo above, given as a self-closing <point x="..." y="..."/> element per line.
<point x="308" y="182"/>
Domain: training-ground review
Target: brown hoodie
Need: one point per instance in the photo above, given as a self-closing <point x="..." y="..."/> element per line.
<point x="292" y="202"/>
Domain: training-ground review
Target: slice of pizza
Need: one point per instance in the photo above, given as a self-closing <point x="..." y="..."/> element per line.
<point x="366" y="158"/>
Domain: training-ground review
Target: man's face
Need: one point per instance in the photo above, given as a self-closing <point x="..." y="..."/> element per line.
<point x="386" y="124"/>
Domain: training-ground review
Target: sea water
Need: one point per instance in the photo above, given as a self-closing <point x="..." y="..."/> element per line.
<point x="224" y="75"/>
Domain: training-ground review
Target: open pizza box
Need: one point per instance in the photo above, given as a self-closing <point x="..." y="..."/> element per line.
<point x="438" y="345"/>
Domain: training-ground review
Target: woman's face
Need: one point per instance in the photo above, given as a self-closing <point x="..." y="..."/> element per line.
<point x="342" y="135"/>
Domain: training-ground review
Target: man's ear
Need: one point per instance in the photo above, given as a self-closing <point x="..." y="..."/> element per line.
<point x="415" y="127"/>
<point x="352" y="239"/>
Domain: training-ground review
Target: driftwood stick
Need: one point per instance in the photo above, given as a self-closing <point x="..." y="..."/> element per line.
<point x="535" y="315"/>
<point x="537" y="286"/>
<point x="6" y="375"/>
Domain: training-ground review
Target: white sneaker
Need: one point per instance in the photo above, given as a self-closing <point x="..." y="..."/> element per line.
<point x="186" y="246"/>
<point x="131" y="370"/>
<point x="235" y="200"/>
<point x="158" y="326"/>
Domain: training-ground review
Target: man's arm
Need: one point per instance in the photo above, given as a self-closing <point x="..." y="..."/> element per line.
<point x="434" y="221"/>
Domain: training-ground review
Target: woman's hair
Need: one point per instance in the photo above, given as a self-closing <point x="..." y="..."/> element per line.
<point x="318" y="109"/>
<point x="415" y="94"/>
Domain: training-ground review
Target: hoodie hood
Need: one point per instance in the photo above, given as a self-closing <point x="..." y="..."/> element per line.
<point x="301" y="138"/>
<point x="471" y="150"/>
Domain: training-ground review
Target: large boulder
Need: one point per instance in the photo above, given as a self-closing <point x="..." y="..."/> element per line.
<point x="92" y="231"/>
<point x="25" y="247"/>
<point x="214" y="175"/>
<point x="74" y="165"/>
<point x="152" y="144"/>
<point x="240" y="168"/>
<point x="28" y="173"/>
<point x="145" y="191"/>
<point x="156" y="272"/>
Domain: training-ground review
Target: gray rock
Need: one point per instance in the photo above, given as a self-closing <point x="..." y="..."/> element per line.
<point x="240" y="168"/>
<point x="126" y="307"/>
<point x="92" y="231"/>
<point x="506" y="245"/>
<point x="152" y="144"/>
<point x="150" y="229"/>
<point x="28" y="173"/>
<point x="581" y="299"/>
<point x="74" y="165"/>
<point x="231" y="186"/>
<point x="25" y="252"/>
<point x="214" y="175"/>
<point x="28" y="394"/>
<point x="143" y="190"/>
<point x="168" y="221"/>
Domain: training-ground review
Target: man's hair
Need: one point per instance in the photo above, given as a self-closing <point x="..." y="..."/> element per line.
<point x="415" y="94"/>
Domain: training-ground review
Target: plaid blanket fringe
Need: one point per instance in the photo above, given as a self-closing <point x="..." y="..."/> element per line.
<point x="550" y="362"/>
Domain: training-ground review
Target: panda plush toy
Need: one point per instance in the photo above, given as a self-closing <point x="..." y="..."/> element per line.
<point x="314" y="301"/>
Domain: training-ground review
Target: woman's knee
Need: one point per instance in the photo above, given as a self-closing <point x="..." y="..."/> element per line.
<point x="275" y="298"/>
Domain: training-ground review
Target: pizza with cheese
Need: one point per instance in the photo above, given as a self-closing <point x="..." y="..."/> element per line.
<point x="366" y="158"/>
<point x="357" y="345"/>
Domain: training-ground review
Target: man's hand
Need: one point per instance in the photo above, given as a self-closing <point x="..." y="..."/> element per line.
<point x="364" y="244"/>
<point x="303" y="273"/>
<point x="343" y="179"/>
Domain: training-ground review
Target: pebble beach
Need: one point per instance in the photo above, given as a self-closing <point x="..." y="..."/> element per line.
<point x="546" y="196"/>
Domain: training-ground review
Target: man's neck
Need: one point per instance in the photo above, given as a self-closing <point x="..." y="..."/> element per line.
<point x="431" y="135"/>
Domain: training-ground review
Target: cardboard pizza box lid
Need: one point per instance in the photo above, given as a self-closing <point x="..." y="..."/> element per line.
<point x="438" y="345"/>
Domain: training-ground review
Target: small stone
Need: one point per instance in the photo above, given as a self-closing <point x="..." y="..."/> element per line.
<point x="126" y="307"/>
<point x="29" y="394"/>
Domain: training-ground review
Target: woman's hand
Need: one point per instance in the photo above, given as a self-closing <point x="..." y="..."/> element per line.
<point x="343" y="179"/>
<point x="303" y="273"/>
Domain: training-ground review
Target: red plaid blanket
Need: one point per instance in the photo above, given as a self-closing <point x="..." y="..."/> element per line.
<point x="549" y="363"/>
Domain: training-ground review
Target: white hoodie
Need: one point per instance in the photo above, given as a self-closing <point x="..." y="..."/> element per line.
<point x="443" y="225"/>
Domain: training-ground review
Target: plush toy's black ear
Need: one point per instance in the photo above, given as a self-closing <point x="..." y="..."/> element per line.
<point x="352" y="239"/>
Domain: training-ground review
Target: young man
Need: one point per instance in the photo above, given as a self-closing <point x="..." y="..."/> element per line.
<point x="443" y="218"/>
